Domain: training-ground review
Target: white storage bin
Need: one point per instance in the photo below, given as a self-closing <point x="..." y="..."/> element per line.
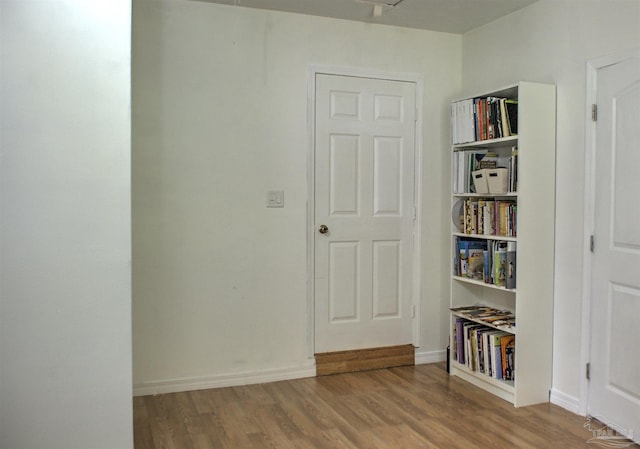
<point x="480" y="180"/>
<point x="497" y="180"/>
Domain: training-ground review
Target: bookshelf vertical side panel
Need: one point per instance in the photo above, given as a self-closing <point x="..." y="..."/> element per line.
<point x="536" y="242"/>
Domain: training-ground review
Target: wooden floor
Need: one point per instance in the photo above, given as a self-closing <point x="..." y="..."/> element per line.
<point x="364" y="359"/>
<point x="407" y="407"/>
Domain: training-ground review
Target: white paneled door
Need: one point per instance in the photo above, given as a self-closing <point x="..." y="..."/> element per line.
<point x="614" y="386"/>
<point x="364" y="212"/>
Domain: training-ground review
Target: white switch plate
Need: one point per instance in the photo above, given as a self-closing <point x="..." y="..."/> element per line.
<point x="275" y="198"/>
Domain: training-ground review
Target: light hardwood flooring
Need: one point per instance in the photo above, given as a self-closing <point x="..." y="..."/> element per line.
<point x="404" y="408"/>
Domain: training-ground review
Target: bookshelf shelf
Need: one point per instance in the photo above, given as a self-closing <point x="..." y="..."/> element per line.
<point x="485" y="265"/>
<point x="508" y="329"/>
<point x="489" y="143"/>
<point x="506" y="385"/>
<point x="483" y="284"/>
<point x="504" y="389"/>
<point x="486" y="195"/>
<point x="485" y="237"/>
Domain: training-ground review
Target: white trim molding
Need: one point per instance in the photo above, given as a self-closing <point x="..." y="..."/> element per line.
<point x="253" y="377"/>
<point x="224" y="380"/>
<point x="566" y="402"/>
<point x="425" y="357"/>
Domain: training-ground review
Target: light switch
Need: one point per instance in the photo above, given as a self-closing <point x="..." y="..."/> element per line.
<point x="275" y="198"/>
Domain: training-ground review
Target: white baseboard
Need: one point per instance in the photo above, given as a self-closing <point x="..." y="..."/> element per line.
<point x="565" y="401"/>
<point x="255" y="377"/>
<point x="224" y="380"/>
<point x="424" y="357"/>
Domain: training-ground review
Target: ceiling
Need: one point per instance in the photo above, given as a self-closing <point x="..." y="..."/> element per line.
<point x="450" y="16"/>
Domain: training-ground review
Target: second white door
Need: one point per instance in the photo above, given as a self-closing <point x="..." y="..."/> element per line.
<point x="614" y="388"/>
<point x="364" y="212"/>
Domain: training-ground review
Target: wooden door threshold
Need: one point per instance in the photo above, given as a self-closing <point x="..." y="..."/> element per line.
<point x="364" y="359"/>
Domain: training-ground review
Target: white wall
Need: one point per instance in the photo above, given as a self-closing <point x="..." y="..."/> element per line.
<point x="219" y="117"/>
<point x="551" y="41"/>
<point x="65" y="340"/>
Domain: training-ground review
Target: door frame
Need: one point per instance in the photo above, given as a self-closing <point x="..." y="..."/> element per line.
<point x="589" y="211"/>
<point x="416" y="78"/>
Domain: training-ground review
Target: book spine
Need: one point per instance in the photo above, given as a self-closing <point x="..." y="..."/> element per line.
<point x="500" y="266"/>
<point x="498" y="362"/>
<point x="460" y="340"/>
<point x="511" y="265"/>
<point x="487" y="267"/>
<point x="507" y="344"/>
<point x="476" y="119"/>
<point x="464" y="263"/>
<point x="504" y="120"/>
<point x="486" y="350"/>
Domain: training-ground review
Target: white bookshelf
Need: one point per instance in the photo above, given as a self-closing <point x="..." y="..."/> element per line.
<point x="532" y="299"/>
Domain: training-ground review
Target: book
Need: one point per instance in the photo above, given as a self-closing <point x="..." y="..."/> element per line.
<point x="454" y="168"/>
<point x="482" y="349"/>
<point x="495" y="347"/>
<point x="468" y="328"/>
<point x="468" y="248"/>
<point x="504" y="220"/>
<point x="476" y="347"/>
<point x="490" y="120"/>
<point x="464" y="171"/>
<point x="512" y="115"/>
<point x="508" y="343"/>
<point x="489" y="350"/>
<point x="495" y="107"/>
<point x="500" y="265"/>
<point x="473" y="216"/>
<point x="476" y="263"/>
<point x="511" y="265"/>
<point x="482" y="133"/>
<point x="459" y="347"/>
<point x="503" y="212"/>
<point x="478" y="119"/>
<point x="510" y="373"/>
<point x="513" y="170"/>
<point x="463" y="128"/>
<point x="505" y="120"/>
<point x="473" y="348"/>
<point x="486" y="256"/>
<point x="482" y="203"/>
<point x="488" y="217"/>
<point x="463" y="260"/>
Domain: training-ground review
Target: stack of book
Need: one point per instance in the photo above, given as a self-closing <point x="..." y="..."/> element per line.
<point x="492" y="262"/>
<point x="490" y="217"/>
<point x="503" y="319"/>
<point x="477" y="119"/>
<point x="481" y="348"/>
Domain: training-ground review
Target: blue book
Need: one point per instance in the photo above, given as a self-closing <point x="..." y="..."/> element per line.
<point x="487" y="266"/>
